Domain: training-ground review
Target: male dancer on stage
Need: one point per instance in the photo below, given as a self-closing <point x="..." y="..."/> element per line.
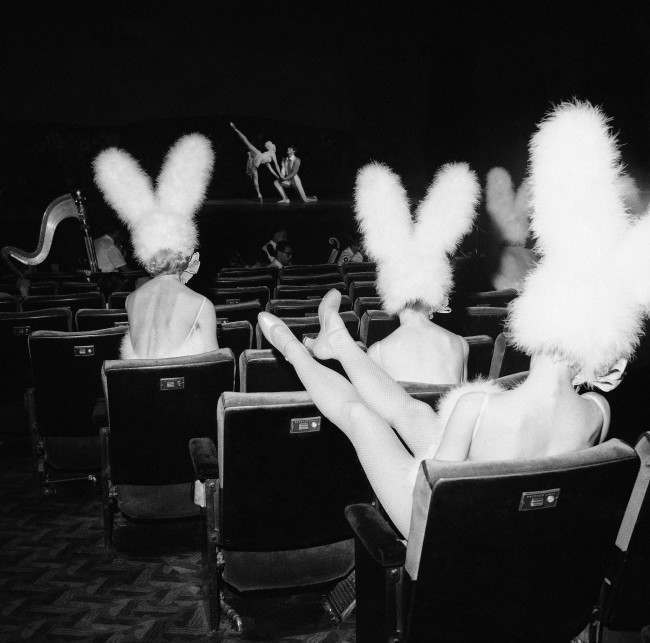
<point x="289" y="177"/>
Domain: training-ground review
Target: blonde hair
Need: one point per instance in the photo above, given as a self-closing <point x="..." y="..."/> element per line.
<point x="167" y="261"/>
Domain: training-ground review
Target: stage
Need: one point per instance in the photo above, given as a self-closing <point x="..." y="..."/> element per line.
<point x="228" y="226"/>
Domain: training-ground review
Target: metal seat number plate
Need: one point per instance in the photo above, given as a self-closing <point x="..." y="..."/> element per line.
<point x="305" y="425"/>
<point x="172" y="383"/>
<point x="546" y="499"/>
<point x="84" y="351"/>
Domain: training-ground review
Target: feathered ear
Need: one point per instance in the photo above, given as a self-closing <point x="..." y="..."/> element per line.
<point x="507" y="210"/>
<point x="185" y="174"/>
<point x="447" y="211"/>
<point x="382" y="210"/>
<point x="125" y="185"/>
<point x="575" y="182"/>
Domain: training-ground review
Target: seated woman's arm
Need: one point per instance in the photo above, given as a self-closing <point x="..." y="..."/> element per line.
<point x="457" y="436"/>
<point x="208" y="327"/>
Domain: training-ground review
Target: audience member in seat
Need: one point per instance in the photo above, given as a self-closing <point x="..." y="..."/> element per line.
<point x="351" y="252"/>
<point x="414" y="275"/>
<point x="579" y="317"/>
<point x="166" y="318"/>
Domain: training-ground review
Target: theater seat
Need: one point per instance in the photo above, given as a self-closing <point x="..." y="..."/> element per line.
<point x="94" y="319"/>
<point x="363" y="304"/>
<point x="484" y="320"/>
<point x="72" y="301"/>
<point x="62" y="405"/>
<point x="301" y="326"/>
<point x="236" y="335"/>
<point x="8" y="303"/>
<point x="497" y="551"/>
<point x="227" y="281"/>
<point x="311" y="269"/>
<point x="375" y="325"/>
<point x="228" y="273"/>
<point x="117" y="299"/>
<point x="480" y="356"/>
<point x="506" y="359"/>
<point x="283" y="475"/>
<point x="362" y="289"/>
<point x="69" y="287"/>
<point x="499" y="298"/>
<point x="42" y="288"/>
<point x="155" y="407"/>
<point x="287" y="291"/>
<point x="308" y="280"/>
<point x="244" y="311"/>
<point x="302" y="307"/>
<point x="229" y="296"/>
<point x="351" y="277"/>
<point x="15" y="329"/>
<point x="625" y="594"/>
<point x="358" y="266"/>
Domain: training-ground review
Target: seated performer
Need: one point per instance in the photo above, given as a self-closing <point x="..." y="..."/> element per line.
<point x="256" y="158"/>
<point x="414" y="275"/>
<point x="509" y="212"/>
<point x="579" y="317"/>
<point x="166" y="318"/>
<point x="109" y="256"/>
<point x="289" y="177"/>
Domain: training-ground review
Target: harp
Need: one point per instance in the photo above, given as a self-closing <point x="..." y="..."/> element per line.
<point x="63" y="207"/>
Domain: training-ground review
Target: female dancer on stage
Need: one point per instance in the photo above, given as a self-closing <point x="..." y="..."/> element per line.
<point x="579" y="317"/>
<point x="166" y="318"/>
<point x="257" y="158"/>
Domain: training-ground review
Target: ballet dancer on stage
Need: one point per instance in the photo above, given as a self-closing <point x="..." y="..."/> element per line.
<point x="289" y="177"/>
<point x="257" y="158"/>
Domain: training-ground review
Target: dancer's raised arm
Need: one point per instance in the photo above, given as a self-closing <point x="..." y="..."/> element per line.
<point x="247" y="143"/>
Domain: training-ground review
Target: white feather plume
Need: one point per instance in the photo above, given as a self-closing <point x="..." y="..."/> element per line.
<point x="584" y="299"/>
<point x="412" y="257"/>
<point x="164" y="219"/>
<point x="508" y="210"/>
<point x="447" y="402"/>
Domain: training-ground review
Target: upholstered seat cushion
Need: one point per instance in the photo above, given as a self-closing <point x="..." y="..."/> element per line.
<point x="157" y="502"/>
<point x="254" y="570"/>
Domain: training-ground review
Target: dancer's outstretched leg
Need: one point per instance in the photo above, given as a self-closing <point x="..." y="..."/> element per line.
<point x="415" y="421"/>
<point x="390" y="469"/>
<point x="301" y="191"/>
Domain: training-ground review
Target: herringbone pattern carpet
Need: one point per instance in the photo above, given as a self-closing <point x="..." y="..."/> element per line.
<point x="58" y="584"/>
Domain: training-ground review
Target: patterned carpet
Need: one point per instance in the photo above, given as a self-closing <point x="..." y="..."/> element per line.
<point x="58" y="584"/>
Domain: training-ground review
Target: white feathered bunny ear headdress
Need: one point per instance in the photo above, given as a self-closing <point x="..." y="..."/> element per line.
<point x="584" y="301"/>
<point x="508" y="210"/>
<point x="412" y="258"/>
<point x="160" y="219"/>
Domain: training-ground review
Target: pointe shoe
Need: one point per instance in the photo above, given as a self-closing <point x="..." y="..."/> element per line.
<point x="276" y="331"/>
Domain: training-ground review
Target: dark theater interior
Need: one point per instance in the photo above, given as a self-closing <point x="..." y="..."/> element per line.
<point x="325" y="323"/>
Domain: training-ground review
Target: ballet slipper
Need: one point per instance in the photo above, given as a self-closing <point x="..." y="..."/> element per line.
<point x="330" y="324"/>
<point x="276" y="332"/>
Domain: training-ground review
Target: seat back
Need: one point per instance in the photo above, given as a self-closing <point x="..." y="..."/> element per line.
<point x="96" y="318"/>
<point x="310" y="269"/>
<point x="626" y="602"/>
<point x="301" y="326"/>
<point x="117" y="299"/>
<point x="362" y="289"/>
<point x="67" y="378"/>
<point x="302" y="307"/>
<point x="375" y="325"/>
<point x="15" y="329"/>
<point x="363" y="304"/>
<point x="350" y="277"/>
<point x="515" y="549"/>
<point x="43" y="288"/>
<point x="317" y="291"/>
<point x="227" y="273"/>
<point x="309" y="280"/>
<point x="499" y="298"/>
<point x="236" y="335"/>
<point x="228" y="281"/>
<point x="8" y="303"/>
<point x="286" y="473"/>
<point x="229" y="296"/>
<point x="358" y="266"/>
<point x="68" y="287"/>
<point x="155" y="406"/>
<point x="484" y="320"/>
<point x="506" y="359"/>
<point x="244" y="311"/>
<point x="72" y="301"/>
<point x="480" y="356"/>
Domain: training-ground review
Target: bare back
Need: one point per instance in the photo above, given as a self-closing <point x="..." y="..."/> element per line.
<point x="517" y="424"/>
<point x="167" y="319"/>
<point x="423" y="353"/>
